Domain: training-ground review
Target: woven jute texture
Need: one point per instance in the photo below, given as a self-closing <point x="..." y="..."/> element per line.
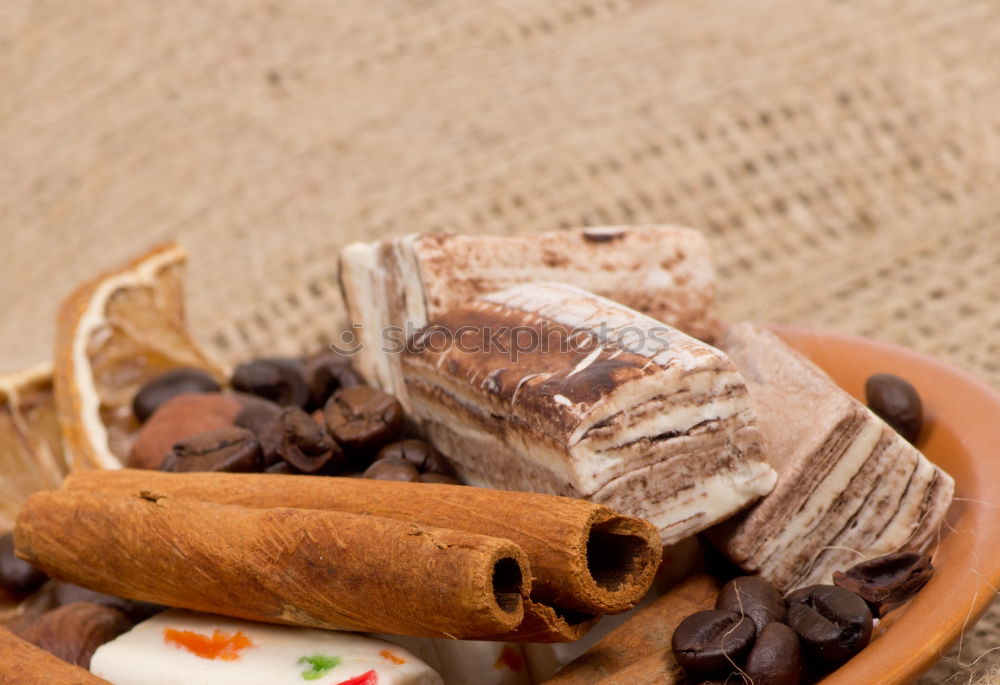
<point x="844" y="157"/>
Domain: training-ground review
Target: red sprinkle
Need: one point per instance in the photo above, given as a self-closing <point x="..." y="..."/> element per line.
<point x="509" y="658"/>
<point x="369" y="678"/>
<point x="219" y="645"/>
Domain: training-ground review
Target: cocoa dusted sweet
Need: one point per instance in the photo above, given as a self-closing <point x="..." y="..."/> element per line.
<point x="172" y="383"/>
<point x="178" y="418"/>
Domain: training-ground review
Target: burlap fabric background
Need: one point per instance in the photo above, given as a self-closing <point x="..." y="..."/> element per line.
<point x="844" y="157"/>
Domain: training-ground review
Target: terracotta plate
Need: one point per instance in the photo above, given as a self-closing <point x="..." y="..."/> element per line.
<point x="962" y="434"/>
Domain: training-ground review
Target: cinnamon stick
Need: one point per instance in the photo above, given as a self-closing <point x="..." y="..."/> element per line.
<point x="658" y="668"/>
<point x="322" y="569"/>
<point x="647" y="633"/>
<point x="584" y="557"/>
<point x="544" y="623"/>
<point x="23" y="663"/>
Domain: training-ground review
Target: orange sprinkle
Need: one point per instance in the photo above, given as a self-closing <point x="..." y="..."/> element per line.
<point x="386" y="654"/>
<point x="219" y="645"/>
<point x="509" y="658"/>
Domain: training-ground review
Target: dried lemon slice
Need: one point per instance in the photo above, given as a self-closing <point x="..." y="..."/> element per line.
<point x="31" y="455"/>
<point x="115" y="333"/>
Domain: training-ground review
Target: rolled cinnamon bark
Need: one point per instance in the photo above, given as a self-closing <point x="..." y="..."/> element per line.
<point x="23" y="663"/>
<point x="658" y="668"/>
<point x="645" y="634"/>
<point x="322" y="569"/>
<point x="584" y="557"/>
<point x="544" y="623"/>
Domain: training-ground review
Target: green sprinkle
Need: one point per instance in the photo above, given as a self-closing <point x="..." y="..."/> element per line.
<point x="318" y="666"/>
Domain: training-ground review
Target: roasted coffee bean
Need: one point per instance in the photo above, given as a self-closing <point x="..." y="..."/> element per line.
<point x="172" y="383"/>
<point x="393" y="468"/>
<point x="231" y="449"/>
<point x="832" y="623"/>
<point x="282" y="468"/>
<point x="263" y="418"/>
<point x="417" y="452"/>
<point x="270" y="442"/>
<point x="897" y="402"/>
<point x="754" y="597"/>
<point x="712" y="643"/>
<point x="257" y="413"/>
<point x="776" y="657"/>
<point x="73" y="632"/>
<point x="17" y="577"/>
<point x="439" y="478"/>
<point x="363" y="420"/>
<point x="178" y="418"/>
<point x="888" y="579"/>
<point x="328" y="373"/>
<point x="279" y="379"/>
<point x="306" y="445"/>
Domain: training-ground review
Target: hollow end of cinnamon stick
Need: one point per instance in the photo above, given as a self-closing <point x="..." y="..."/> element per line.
<point x="621" y="554"/>
<point x="508" y="584"/>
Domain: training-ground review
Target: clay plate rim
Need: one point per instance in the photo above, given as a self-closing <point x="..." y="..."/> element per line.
<point x="962" y="435"/>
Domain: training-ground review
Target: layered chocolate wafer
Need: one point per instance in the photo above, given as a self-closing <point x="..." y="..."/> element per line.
<point x="550" y="388"/>
<point x="395" y="286"/>
<point x="848" y="484"/>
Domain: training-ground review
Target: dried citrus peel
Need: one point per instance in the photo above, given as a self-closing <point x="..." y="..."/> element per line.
<point x="31" y="457"/>
<point x="91" y="320"/>
<point x="389" y="656"/>
<point x="116" y="333"/>
<point x="318" y="666"/>
<point x="218" y="646"/>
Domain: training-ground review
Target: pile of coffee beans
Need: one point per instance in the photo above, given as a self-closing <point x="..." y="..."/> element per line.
<point x="755" y="633"/>
<point x="280" y="415"/>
